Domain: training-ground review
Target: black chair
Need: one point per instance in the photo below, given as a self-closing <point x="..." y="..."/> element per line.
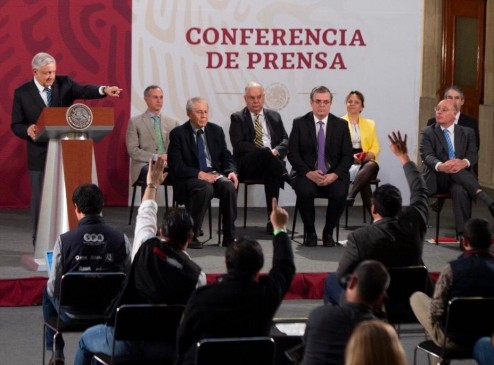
<point x="142" y="184"/>
<point x="246" y="183"/>
<point x="404" y="282"/>
<point x="467" y="319"/>
<point x="374" y="182"/>
<point x="238" y="351"/>
<point x="287" y="334"/>
<point x="84" y="297"/>
<point x="441" y="198"/>
<point x="318" y="196"/>
<point x="144" y="322"/>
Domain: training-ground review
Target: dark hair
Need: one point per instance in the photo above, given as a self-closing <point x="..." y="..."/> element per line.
<point x="320" y="90"/>
<point x="149" y="88"/>
<point x="176" y="226"/>
<point x="358" y="94"/>
<point x="88" y="198"/>
<point x="387" y="200"/>
<point x="372" y="280"/>
<point x="478" y="233"/>
<point x="244" y="258"/>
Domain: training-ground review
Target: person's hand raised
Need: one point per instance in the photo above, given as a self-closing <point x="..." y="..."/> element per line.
<point x="155" y="172"/>
<point x="279" y="216"/>
<point x="398" y="146"/>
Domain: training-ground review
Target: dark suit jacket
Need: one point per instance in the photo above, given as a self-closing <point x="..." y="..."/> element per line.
<point x="394" y="241"/>
<point x="302" y="146"/>
<point x="183" y="159"/>
<point x="28" y="105"/>
<point x="465" y="121"/>
<point x="434" y="149"/>
<point x="233" y="307"/>
<point x="242" y="133"/>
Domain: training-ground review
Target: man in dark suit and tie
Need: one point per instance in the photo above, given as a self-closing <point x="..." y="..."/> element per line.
<point x="320" y="152"/>
<point x="45" y="90"/>
<point x="456" y="94"/>
<point x="448" y="152"/>
<point x="203" y="168"/>
<point x="260" y="142"/>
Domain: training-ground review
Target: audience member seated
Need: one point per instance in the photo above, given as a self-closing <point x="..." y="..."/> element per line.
<point x="448" y="152"/>
<point x="203" y="168"/>
<point x="161" y="273"/>
<point x="455" y="93"/>
<point x="329" y="327"/>
<point x="148" y="134"/>
<point x="483" y="351"/>
<point x="260" y="143"/>
<point x="472" y="274"/>
<point x="239" y="304"/>
<point x="91" y="246"/>
<point x="396" y="237"/>
<point x="320" y="152"/>
<point x="365" y="149"/>
<point x="374" y="343"/>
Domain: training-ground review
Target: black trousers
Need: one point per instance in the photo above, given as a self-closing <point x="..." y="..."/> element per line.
<point x="199" y="195"/>
<point x="306" y="192"/>
<point x="262" y="164"/>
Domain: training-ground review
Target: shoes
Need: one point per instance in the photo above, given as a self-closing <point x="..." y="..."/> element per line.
<point x="200" y="233"/>
<point x="227" y="242"/>
<point x="350" y="201"/>
<point x="310" y="239"/>
<point x="491" y="209"/>
<point x="195" y="244"/>
<point x="269" y="228"/>
<point x="327" y="240"/>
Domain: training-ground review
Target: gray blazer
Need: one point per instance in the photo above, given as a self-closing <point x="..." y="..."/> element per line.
<point x="141" y="141"/>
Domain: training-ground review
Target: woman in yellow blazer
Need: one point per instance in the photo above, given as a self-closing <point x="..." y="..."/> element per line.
<point x="365" y="149"/>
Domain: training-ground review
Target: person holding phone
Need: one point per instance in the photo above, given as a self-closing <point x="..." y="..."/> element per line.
<point x="365" y="149"/>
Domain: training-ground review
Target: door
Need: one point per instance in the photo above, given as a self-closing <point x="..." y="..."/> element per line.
<point x="463" y="50"/>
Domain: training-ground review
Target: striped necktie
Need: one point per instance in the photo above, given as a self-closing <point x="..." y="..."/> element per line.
<point x="47" y="90"/>
<point x="259" y="132"/>
<point x="451" y="150"/>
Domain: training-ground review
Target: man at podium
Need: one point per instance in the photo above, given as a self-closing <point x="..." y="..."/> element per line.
<point x="45" y="90"/>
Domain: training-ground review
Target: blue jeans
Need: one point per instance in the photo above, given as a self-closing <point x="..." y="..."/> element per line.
<point x="332" y="289"/>
<point x="99" y="339"/>
<point x="50" y="306"/>
<point x="483" y="351"/>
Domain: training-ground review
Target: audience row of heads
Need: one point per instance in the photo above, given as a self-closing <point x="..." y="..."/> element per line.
<point x="244" y="258"/>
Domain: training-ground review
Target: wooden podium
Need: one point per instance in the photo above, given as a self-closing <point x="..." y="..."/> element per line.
<point x="69" y="162"/>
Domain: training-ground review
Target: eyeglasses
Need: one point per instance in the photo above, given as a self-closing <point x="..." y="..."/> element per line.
<point x="321" y="102"/>
<point x="442" y="110"/>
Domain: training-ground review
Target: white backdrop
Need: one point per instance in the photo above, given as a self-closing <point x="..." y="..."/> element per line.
<point x="213" y="48"/>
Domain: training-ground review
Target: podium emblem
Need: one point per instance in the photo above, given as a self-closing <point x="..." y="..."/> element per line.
<point x="79" y="117"/>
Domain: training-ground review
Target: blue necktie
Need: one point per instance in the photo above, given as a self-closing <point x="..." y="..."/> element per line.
<point x="201" y="152"/>
<point x="321" y="142"/>
<point x="48" y="96"/>
<point x="451" y="150"/>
